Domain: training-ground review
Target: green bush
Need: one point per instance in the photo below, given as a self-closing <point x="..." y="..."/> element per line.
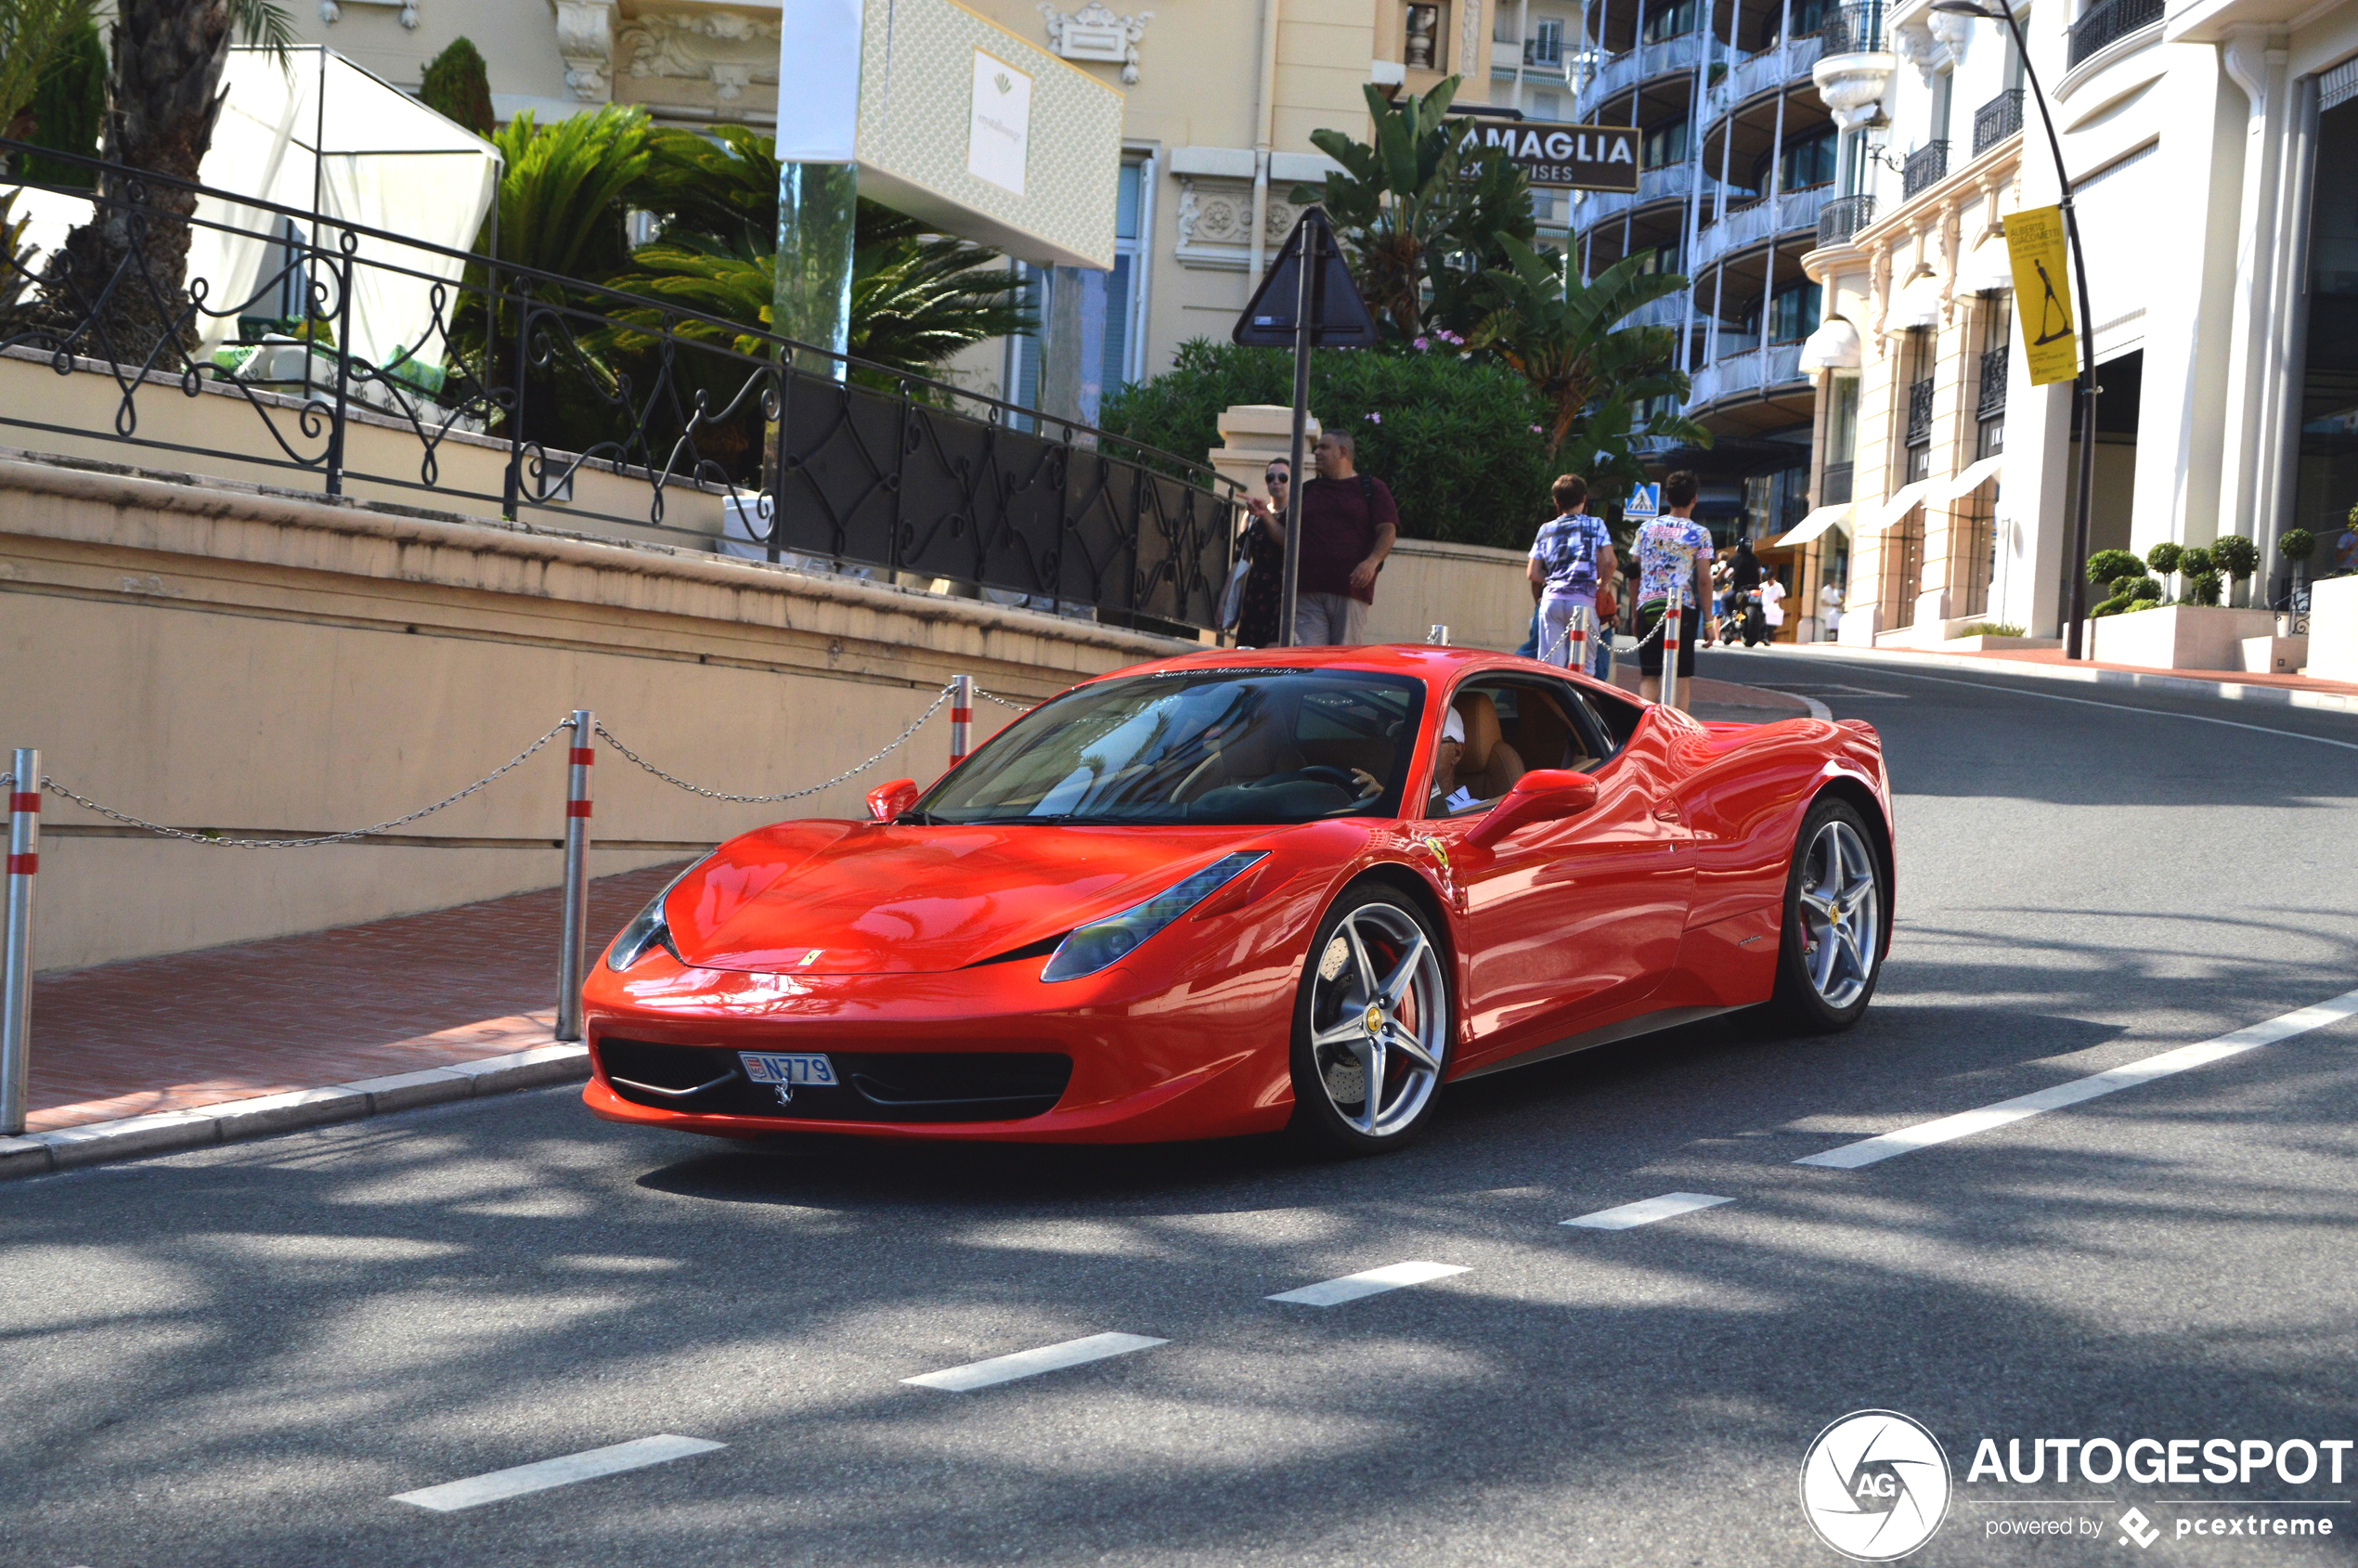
<point x="2194" y="560"/>
<point x="2296" y="544"/>
<point x="2235" y="555"/>
<point x="1457" y="441"/>
<point x="2202" y="588"/>
<point x="2142" y="602"/>
<point x="458" y="86"/>
<point x="2137" y="587"/>
<point x="2163" y="557"/>
<point x="2109" y="607"/>
<point x="2108" y="565"/>
<point x="1991" y="628"/>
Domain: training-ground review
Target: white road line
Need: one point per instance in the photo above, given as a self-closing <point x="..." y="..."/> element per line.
<point x="1031" y="1363"/>
<point x="1369" y="1282"/>
<point x="1948" y="1129"/>
<point x="2117" y="707"/>
<point x="1649" y="1211"/>
<point x="590" y="1463"/>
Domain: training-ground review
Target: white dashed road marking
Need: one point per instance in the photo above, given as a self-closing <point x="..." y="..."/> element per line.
<point x="1031" y="1363"/>
<point x="1370" y="1282"/>
<point x="1646" y="1212"/>
<point x="590" y="1463"/>
<point x="1948" y="1129"/>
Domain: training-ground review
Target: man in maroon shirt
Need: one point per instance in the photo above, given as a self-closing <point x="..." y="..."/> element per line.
<point x="1348" y="526"/>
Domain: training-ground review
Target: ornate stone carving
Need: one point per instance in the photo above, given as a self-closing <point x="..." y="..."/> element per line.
<point x="585" y="38"/>
<point x="331" y="12"/>
<point x="730" y="50"/>
<point x="1473" y="50"/>
<point x="1214" y="224"/>
<point x="1093" y="33"/>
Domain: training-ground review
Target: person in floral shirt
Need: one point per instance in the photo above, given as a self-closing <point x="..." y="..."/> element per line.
<point x="1671" y="548"/>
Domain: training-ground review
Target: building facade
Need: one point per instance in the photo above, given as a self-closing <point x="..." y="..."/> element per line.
<point x="2210" y="154"/>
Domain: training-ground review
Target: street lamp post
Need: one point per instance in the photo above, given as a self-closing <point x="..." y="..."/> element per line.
<point x="2076" y="588"/>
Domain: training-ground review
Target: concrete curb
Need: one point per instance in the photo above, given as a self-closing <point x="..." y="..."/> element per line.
<point x="2226" y="691"/>
<point x="67" y="1149"/>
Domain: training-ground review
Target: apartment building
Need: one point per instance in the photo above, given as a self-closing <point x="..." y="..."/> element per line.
<point x="2210" y="151"/>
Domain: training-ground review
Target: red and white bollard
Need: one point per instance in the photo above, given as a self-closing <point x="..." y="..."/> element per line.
<point x="16" y="938"/>
<point x="1577" y="639"/>
<point x="1673" y="614"/>
<point x="573" y="961"/>
<point x="962" y="718"/>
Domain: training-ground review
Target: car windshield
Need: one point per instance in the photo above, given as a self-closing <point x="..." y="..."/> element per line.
<point x="1206" y="745"/>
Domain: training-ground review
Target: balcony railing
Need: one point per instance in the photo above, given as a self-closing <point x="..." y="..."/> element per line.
<point x="1926" y="168"/>
<point x="1667" y="311"/>
<point x="503" y="391"/>
<point x="1836" y="483"/>
<point x="1997" y="120"/>
<point x="1756" y="74"/>
<point x="1746" y="371"/>
<point x="1843" y="217"/>
<point x="2108" y="20"/>
<point x="1796" y="211"/>
<point x="1992" y="401"/>
<point x="1632" y="66"/>
<point x="1855" y="29"/>
<point x="1920" y="413"/>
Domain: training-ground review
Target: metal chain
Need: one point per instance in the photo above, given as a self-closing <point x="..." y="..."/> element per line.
<point x="1006" y="702"/>
<point x="54" y="787"/>
<point x="790" y="795"/>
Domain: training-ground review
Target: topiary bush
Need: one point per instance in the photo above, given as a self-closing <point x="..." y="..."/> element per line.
<point x="2202" y="588"/>
<point x="2235" y="555"/>
<point x="2108" y="565"/>
<point x="2194" y="560"/>
<point x="458" y="86"/>
<point x="2137" y="587"/>
<point x="1457" y="441"/>
<point x="2163" y="557"/>
<point x="2296" y="544"/>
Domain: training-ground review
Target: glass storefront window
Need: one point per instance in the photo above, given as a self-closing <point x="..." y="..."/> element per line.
<point x="2329" y="462"/>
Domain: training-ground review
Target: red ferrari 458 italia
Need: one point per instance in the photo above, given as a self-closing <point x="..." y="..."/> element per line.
<point x="1234" y="891"/>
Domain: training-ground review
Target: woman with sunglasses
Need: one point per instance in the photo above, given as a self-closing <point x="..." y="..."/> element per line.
<point x="1262" y="545"/>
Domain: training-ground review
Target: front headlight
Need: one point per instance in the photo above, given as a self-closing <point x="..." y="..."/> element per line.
<point x="1100" y="943"/>
<point x="646" y="928"/>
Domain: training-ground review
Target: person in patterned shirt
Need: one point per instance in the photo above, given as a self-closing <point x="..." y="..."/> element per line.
<point x="1673" y="548"/>
<point x="1571" y="556"/>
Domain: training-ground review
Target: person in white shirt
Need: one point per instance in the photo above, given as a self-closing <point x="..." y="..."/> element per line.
<point x="1772" y="609"/>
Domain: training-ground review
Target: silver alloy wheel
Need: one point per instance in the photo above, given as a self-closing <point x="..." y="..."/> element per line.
<point x="1378" y="1015"/>
<point x="1841" y="914"/>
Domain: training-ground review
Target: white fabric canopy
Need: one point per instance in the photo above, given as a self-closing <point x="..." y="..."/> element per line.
<point x="322" y="135"/>
<point x="1988" y="269"/>
<point x="1834" y="346"/>
<point x="1903" y="501"/>
<point x="1972" y="479"/>
<point x="1817" y="523"/>
<point x="1917" y="305"/>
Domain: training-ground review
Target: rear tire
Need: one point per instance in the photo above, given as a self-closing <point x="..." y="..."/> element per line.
<point x="1374" y="1002"/>
<point x="1831" y="953"/>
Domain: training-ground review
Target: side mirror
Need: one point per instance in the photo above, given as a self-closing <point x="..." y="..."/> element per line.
<point x="888" y="800"/>
<point x="1544" y="795"/>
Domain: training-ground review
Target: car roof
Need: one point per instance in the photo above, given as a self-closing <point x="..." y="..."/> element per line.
<point x="1420" y="661"/>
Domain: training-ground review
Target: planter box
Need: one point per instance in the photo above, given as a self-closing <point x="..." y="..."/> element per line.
<point x="2179" y="637"/>
<point x="1980" y="642"/>
<point x="2274" y="655"/>
<point x="2333" y="629"/>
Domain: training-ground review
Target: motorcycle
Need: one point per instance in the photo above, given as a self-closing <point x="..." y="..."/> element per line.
<point x="1748" y="619"/>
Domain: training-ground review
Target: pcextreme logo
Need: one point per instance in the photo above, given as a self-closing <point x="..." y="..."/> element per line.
<point x="1875" y="1486"/>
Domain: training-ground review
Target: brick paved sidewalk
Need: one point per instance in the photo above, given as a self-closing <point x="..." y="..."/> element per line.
<point x="418" y="990"/>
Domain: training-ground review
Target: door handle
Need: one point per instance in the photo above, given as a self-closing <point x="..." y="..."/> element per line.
<point x="1666" y="811"/>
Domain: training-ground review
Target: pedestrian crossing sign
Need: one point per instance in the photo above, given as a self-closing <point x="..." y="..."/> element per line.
<point x="1645" y="501"/>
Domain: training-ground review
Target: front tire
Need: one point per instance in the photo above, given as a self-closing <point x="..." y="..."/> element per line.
<point x="1830" y="954"/>
<point x="1373" y="1008"/>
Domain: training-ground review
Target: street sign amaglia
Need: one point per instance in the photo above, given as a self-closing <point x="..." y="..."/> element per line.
<point x="1339" y="317"/>
<point x="1561" y="157"/>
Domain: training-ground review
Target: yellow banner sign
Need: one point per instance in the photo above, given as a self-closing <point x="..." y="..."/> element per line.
<point x="2043" y="294"/>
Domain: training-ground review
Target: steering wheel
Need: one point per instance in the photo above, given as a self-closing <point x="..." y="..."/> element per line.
<point x="1338" y="777"/>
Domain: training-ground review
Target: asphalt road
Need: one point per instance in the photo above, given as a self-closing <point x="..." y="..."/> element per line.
<point x="241" y="1355"/>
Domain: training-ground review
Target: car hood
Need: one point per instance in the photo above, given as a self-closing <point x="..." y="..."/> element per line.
<point x="838" y="898"/>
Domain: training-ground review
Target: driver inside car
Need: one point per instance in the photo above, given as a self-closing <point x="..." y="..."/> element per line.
<point x="1449" y="796"/>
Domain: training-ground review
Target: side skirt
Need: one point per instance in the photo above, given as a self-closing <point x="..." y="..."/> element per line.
<point x="1628" y="1029"/>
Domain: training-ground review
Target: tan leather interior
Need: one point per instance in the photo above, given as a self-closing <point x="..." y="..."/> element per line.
<point x="1487" y="767"/>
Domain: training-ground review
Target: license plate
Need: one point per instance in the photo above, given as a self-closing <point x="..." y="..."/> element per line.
<point x="791" y="1070"/>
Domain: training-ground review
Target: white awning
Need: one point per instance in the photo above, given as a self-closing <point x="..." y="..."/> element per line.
<point x="1988" y="270"/>
<point x="1904" y="501"/>
<point x="1834" y="346"/>
<point x="1972" y="479"/>
<point x="1817" y="523"/>
<point x="1917" y="304"/>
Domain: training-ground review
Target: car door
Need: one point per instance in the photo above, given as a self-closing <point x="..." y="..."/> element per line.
<point x="1568" y="924"/>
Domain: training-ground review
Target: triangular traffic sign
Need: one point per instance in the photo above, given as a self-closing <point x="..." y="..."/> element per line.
<point x="1339" y="317"/>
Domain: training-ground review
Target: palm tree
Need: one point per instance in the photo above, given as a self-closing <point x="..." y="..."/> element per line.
<point x="163" y="93"/>
<point x="1611" y="388"/>
<point x="31" y="32"/>
<point x="1421" y="210"/>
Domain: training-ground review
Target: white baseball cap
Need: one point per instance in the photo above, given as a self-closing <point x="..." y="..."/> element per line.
<point x="1453" y="727"/>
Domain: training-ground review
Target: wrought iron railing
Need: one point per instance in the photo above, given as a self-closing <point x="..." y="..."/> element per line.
<point x="1843" y="217"/>
<point x="1926" y="167"/>
<point x="2106" y="20"/>
<point x="1836" y="483"/>
<point x="515" y="383"/>
<point x="1997" y="120"/>
<point x="1855" y="29"/>
<point x="1920" y="413"/>
<point x="1992" y="399"/>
